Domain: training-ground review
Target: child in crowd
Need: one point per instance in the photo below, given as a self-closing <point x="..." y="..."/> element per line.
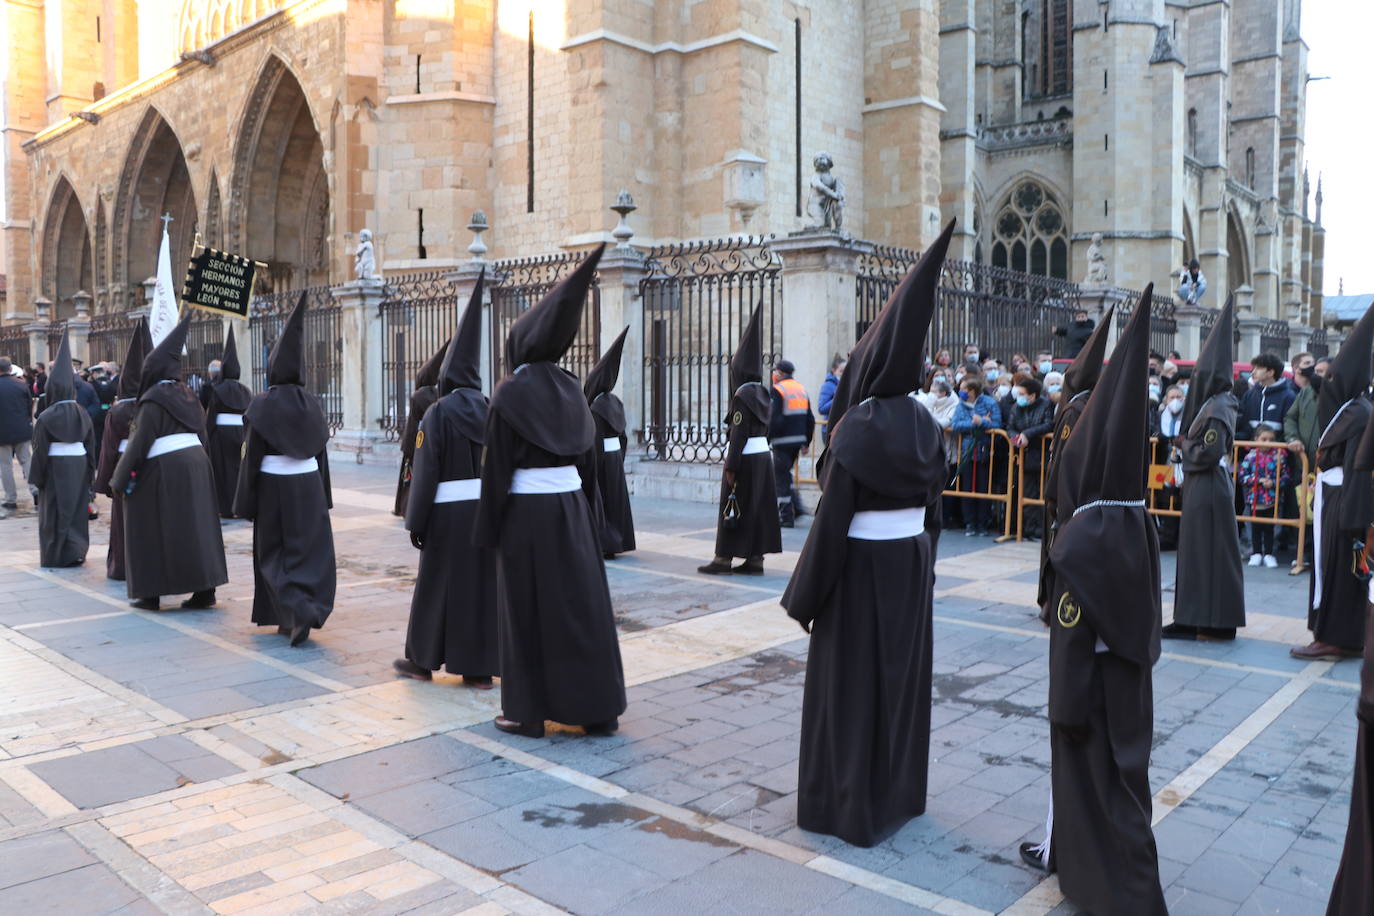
<point x="1263" y="472"/>
<point x="975" y="414"/>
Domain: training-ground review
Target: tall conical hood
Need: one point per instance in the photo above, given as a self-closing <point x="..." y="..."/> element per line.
<point x="747" y="363"/>
<point x="131" y="373"/>
<point x="603" y="376"/>
<point x="546" y="331"/>
<point x="1105" y="456"/>
<point x="61" y="376"/>
<point x="1086" y="367"/>
<point x="428" y="375"/>
<point x="462" y="359"/>
<point x="164" y="362"/>
<point x="286" y="363"/>
<point x="1215" y="364"/>
<point x="1348" y="375"/>
<point x="229" y="362"/>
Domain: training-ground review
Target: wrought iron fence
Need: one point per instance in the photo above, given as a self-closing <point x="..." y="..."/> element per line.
<point x="697" y="298"/>
<point x="14" y="343"/>
<point x="323" y="343"/>
<point x="55" y="331"/>
<point x="519" y="284"/>
<point x="108" y="340"/>
<point x="418" y="316"/>
<point x="1318" y="344"/>
<point x="1163" y="323"/>
<point x="1274" y="338"/>
<point x="204" y="345"/>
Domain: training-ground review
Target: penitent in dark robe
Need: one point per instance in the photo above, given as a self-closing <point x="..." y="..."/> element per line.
<point x="1104" y="641"/>
<point x="560" y="656"/>
<point x="115" y="438"/>
<point x="227" y="400"/>
<point x="618" y="522"/>
<point x="1079" y="380"/>
<point x="1352" y="894"/>
<point x="863" y="585"/>
<point x="421" y="400"/>
<point x="748" y="474"/>
<point x="63" y="461"/>
<point x="1343" y="503"/>
<point x="284" y="489"/>
<point x="453" y="608"/>
<point x="1209" y="597"/>
<point x="172" y="540"/>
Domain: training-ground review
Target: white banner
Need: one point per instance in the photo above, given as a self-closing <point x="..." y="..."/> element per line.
<point x="162" y="312"/>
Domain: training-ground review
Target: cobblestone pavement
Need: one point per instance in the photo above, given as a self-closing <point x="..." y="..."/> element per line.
<point x="187" y="762"/>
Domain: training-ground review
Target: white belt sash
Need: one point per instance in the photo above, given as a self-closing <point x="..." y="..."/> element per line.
<point x="562" y="479"/>
<point x="755" y="445"/>
<point x="610" y="444"/>
<point x="66" y="449"/>
<point x="1331" y="477"/>
<point x="173" y="443"/>
<point x="457" y="491"/>
<point x="123" y="444"/>
<point x="888" y="525"/>
<point x="228" y="419"/>
<point x="283" y="466"/>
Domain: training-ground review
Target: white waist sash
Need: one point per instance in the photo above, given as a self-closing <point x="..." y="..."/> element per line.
<point x="610" y="444"/>
<point x="123" y="444"/>
<point x="755" y="445"/>
<point x="66" y="449"/>
<point x="562" y="479"/>
<point x="457" y="491"/>
<point x="228" y="419"/>
<point x="888" y="525"/>
<point x="283" y="466"/>
<point x="1332" y="477"/>
<point x="173" y="443"/>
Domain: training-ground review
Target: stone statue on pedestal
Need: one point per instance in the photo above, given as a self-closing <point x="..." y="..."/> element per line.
<point x="826" y="203"/>
<point x="1097" y="262"/>
<point x="364" y="259"/>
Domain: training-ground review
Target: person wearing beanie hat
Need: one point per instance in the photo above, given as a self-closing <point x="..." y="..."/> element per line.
<point x="63" y="461"/>
<point x="225" y="399"/>
<point x="116" y="438"/>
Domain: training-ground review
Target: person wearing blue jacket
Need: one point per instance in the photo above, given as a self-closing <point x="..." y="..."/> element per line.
<point x="974" y="415"/>
<point x="827" y="395"/>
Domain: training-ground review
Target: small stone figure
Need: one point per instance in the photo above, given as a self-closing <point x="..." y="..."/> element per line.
<point x="364" y="260"/>
<point x="1097" y="262"/>
<point x="826" y="204"/>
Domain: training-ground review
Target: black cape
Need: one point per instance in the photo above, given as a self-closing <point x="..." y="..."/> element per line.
<point x="618" y="523"/>
<point x="453" y="609"/>
<point x="1210" y="588"/>
<point x="224" y="443"/>
<point x="865" y="731"/>
<point x="1338" y="598"/>
<point x="63" y="482"/>
<point x="172" y="536"/>
<point x="117" y="422"/>
<point x="757" y="531"/>
<point x="1064" y="421"/>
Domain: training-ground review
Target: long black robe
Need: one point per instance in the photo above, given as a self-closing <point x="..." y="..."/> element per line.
<point x="173" y="543"/>
<point x="1210" y="588"/>
<point x="758" y="531"/>
<point x="560" y="655"/>
<point x="223" y="443"/>
<point x="1336" y="616"/>
<point x="453" y="618"/>
<point x="865" y="730"/>
<point x="618" y="523"/>
<point x="421" y="400"/>
<point x="1352" y="894"/>
<point x="64" y="484"/>
<point x="117" y="420"/>
<point x="1064" y="421"/>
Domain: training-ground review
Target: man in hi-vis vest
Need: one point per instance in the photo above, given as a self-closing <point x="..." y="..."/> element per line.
<point x="789" y="431"/>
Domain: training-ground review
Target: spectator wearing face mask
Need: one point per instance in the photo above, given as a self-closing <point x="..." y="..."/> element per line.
<point x="1030" y="420"/>
<point x="972" y="354"/>
<point x="975" y="414"/>
<point x="1300" y="429"/>
<point x="1044" y="364"/>
<point x="1168" y="426"/>
<point x="1053" y="384"/>
<point x="1076" y="334"/>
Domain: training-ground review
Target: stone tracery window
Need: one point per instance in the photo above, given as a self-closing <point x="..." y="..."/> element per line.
<point x="1030" y="234"/>
<point x="204" y="22"/>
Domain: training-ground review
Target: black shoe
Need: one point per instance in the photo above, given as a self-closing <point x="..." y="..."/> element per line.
<point x="9" y="505"/>
<point x="1179" y="631"/>
<point x="478" y="681"/>
<point x="92" y="512"/>
<point x="147" y="604"/>
<point x="789" y="523"/>
<point x="748" y="568"/>
<point x="608" y="556"/>
<point x="199" y="601"/>
<point x="299" y="636"/>
<point x="715" y="569"/>
<point x="510" y="727"/>
<point x="602" y="729"/>
<point x="1030" y="854"/>
<point x="408" y="668"/>
<point x="1216" y="634"/>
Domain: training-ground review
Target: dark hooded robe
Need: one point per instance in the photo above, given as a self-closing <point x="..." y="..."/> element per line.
<point x="225" y="403"/>
<point x="1352" y="894"/>
<point x="421" y="400"/>
<point x="283" y="488"/>
<point x="63" y="461"/>
<point x="608" y="413"/>
<point x="863" y="586"/>
<point x="560" y="656"/>
<point x="172" y="540"/>
<point x="1079" y="380"/>
<point x="1344" y="502"/>
<point x="1210" y="588"/>
<point x="453" y="609"/>
<point x="1104" y="641"/>
<point x="747" y="456"/>
<point x="115" y="438"/>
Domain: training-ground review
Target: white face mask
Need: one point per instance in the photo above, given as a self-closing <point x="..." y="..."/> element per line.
<point x="1154" y="392"/>
<point x="991" y="374"/>
<point x="1176" y="406"/>
<point x="1003" y="391"/>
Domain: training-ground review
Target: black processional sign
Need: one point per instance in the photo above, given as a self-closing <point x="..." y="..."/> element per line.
<point x="220" y="281"/>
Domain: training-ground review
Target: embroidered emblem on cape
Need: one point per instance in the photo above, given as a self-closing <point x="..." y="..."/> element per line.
<point x="1069" y="612"/>
<point x="1065" y="433"/>
<point x="419" y="438"/>
<point x="739" y="418"/>
<point x="1210" y="437"/>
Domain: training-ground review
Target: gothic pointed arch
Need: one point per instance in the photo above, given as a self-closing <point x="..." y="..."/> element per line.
<point x="154" y="182"/>
<point x="1029" y="230"/>
<point x="212" y="235"/>
<point x="67" y="257"/>
<point x="101" y="256"/>
<point x="279" y="193"/>
<point x="1238" y="271"/>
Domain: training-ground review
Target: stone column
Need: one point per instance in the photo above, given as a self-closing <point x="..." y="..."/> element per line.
<point x="360" y="327"/>
<point x="1251" y="326"/>
<point x="1299" y="338"/>
<point x="79" y="328"/>
<point x="818" y="288"/>
<point x="620" y="271"/>
<point x="1189" y="338"/>
<point x="38" y="331"/>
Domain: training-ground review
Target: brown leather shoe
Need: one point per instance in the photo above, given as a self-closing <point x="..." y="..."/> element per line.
<point x="408" y="668"/>
<point x="527" y="729"/>
<point x="1318" y="651"/>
